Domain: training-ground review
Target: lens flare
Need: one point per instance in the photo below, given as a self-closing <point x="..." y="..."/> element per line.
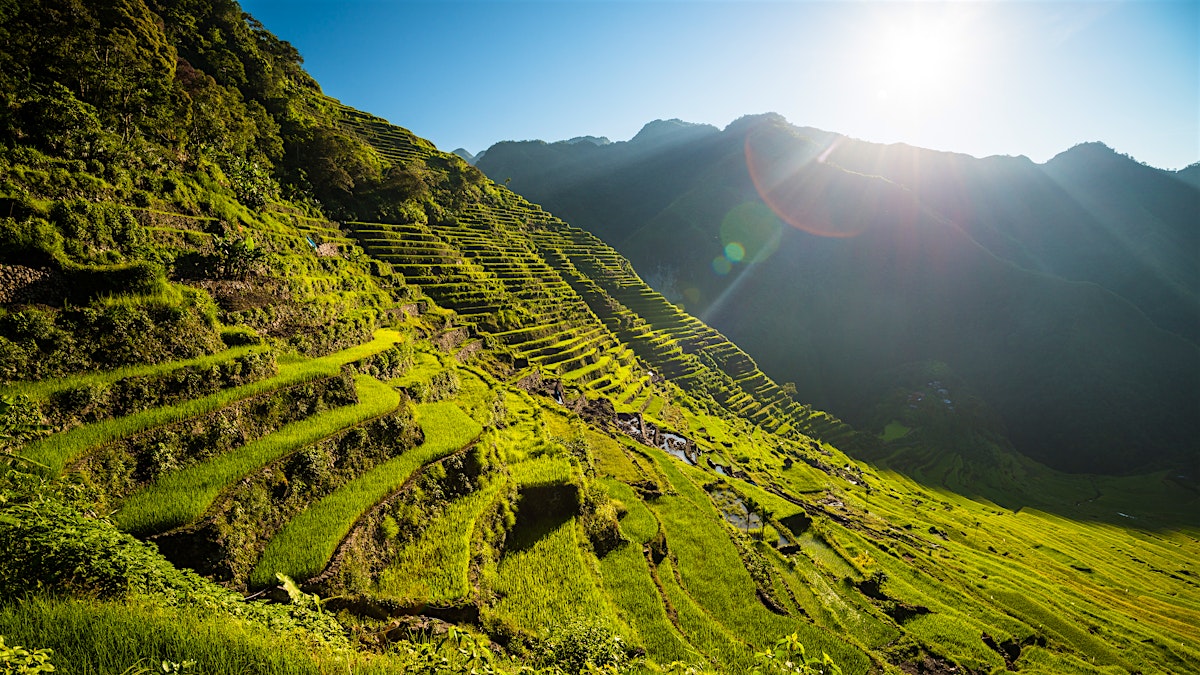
<point x="735" y="251"/>
<point x="721" y="265"/>
<point x="750" y="232"/>
<point x="792" y="179"/>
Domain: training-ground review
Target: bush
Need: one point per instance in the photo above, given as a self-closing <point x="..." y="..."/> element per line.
<point x="89" y="283"/>
<point x="20" y="661"/>
<point x="37" y="344"/>
<point x="236" y="336"/>
<point x="583" y="644"/>
<point x="32" y="241"/>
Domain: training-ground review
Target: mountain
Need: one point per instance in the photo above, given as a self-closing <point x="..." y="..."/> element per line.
<point x="286" y="389"/>
<point x="1190" y="174"/>
<point x="1065" y="294"/>
<point x="594" y="140"/>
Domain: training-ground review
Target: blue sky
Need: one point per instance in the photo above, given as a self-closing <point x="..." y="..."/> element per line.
<point x="984" y="78"/>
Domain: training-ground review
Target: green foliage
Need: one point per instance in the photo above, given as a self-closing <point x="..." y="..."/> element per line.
<point x="37" y="344"/>
<point x="237" y="256"/>
<point x="789" y="656"/>
<point x="30" y="240"/>
<point x="178" y="497"/>
<point x="582" y="645"/>
<point x="53" y="547"/>
<point x="213" y="130"/>
<point x="443" y="385"/>
<point x="97" y="400"/>
<point x="457" y="651"/>
<point x="59" y="449"/>
<point x="20" y="421"/>
<point x="17" y="660"/>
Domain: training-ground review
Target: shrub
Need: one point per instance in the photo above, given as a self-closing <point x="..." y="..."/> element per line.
<point x="582" y="645"/>
<point x="21" y="661"/>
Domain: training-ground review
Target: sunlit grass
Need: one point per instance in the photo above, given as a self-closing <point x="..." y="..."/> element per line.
<point x="45" y="388"/>
<point x="434" y="567"/>
<point x="638" y="523"/>
<point x="56" y="451"/>
<point x="181" y="497"/>
<point x="715" y="576"/>
<point x="544" y="470"/>
<point x="628" y="582"/>
<point x="304" y="546"/>
<point x="530" y="602"/>
<point x="135" y="638"/>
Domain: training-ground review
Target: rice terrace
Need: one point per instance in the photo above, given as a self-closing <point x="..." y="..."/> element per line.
<point x="284" y="388"/>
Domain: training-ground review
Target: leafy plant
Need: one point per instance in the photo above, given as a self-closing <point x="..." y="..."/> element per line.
<point x="237" y="256"/>
<point x="788" y="656"/>
<point x="583" y="645"/>
<point x="17" y="660"/>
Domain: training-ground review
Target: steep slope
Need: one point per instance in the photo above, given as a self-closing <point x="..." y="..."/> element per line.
<point x="450" y="406"/>
<point x="1065" y="294"/>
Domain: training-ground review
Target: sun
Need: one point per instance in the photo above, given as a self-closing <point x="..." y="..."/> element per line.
<point x="918" y="58"/>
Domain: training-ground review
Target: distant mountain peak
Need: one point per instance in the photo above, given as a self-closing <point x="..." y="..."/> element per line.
<point x="594" y="140"/>
<point x="760" y="119"/>
<point x="660" y="131"/>
<point x="466" y="154"/>
<point x="1090" y="155"/>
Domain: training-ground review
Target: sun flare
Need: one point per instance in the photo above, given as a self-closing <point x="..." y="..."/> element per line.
<point x="918" y="59"/>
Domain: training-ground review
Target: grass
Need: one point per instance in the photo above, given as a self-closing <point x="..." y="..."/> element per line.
<point x="714" y="575"/>
<point x="544" y="470"/>
<point x="140" y="638"/>
<point x="611" y="459"/>
<point x="59" y="450"/>
<point x="893" y="431"/>
<point x="702" y="629"/>
<point x="628" y="583"/>
<point x="528" y="601"/>
<point x="181" y="497"/>
<point x="304" y="546"/>
<point x="433" y="568"/>
<point x="638" y="523"/>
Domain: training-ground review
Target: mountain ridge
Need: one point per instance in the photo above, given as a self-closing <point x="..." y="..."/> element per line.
<point x="625" y="198"/>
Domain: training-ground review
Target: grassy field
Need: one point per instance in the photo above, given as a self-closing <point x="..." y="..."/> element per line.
<point x="305" y="545"/>
<point x="55" y="452"/>
<point x="44" y="388"/>
<point x="179" y="498"/>
<point x="434" y="568"/>
<point x="527" y="601"/>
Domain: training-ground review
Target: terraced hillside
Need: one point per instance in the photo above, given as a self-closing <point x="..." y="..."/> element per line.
<point x="240" y="436"/>
<point x="564" y="302"/>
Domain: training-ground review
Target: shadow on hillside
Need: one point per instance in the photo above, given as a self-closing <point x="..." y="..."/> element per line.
<point x="541" y="510"/>
<point x="1166" y="499"/>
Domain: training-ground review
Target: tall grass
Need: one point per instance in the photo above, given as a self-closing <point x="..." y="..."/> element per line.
<point x="183" y="496"/>
<point x="714" y="575"/>
<point x="527" y="597"/>
<point x="56" y="451"/>
<point x="90" y="637"/>
<point x="703" y="632"/>
<point x="304" y="546"/>
<point x="628" y="583"/>
<point x="638" y="523"/>
<point x="544" y="470"/>
<point x="433" y="568"/>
